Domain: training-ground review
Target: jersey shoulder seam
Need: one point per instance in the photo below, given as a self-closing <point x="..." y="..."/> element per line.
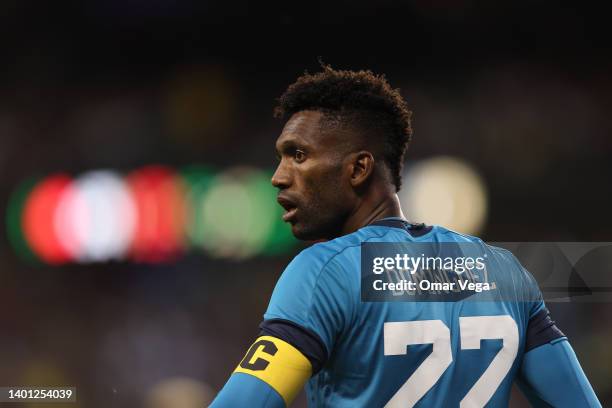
<point x="332" y="257"/>
<point x="338" y="252"/>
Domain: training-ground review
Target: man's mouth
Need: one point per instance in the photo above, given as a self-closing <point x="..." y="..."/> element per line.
<point x="289" y="206"/>
<point x="290" y="214"/>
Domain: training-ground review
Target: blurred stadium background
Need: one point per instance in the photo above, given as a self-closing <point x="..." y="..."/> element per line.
<point x="136" y="145"/>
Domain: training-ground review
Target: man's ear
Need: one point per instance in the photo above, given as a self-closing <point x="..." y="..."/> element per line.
<point x="362" y="167"/>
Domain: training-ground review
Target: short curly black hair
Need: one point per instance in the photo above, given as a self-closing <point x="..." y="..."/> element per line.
<point x="360" y="99"/>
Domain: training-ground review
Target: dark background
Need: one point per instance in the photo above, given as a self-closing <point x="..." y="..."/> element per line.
<point x="519" y="90"/>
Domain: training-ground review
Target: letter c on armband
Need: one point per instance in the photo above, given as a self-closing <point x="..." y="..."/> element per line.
<point x="259" y="364"/>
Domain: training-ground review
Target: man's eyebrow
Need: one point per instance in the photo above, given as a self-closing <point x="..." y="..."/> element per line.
<point x="286" y="145"/>
<point x="292" y="143"/>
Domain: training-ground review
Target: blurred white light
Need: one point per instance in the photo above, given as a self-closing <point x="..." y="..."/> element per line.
<point x="96" y="217"/>
<point x="237" y="218"/>
<point x="445" y="191"/>
<point x="179" y="392"/>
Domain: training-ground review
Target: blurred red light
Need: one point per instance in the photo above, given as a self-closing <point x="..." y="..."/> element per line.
<point x="160" y="214"/>
<point x="38" y="219"/>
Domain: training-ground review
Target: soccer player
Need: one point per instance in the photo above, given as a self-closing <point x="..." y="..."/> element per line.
<point x="340" y="159"/>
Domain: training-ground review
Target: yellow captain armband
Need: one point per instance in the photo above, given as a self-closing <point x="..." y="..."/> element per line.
<point x="278" y="364"/>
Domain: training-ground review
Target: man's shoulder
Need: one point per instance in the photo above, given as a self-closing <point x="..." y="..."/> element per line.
<point x="349" y="244"/>
<point x="346" y="246"/>
<point x="344" y="251"/>
<point x="501" y="254"/>
<point x="502" y="265"/>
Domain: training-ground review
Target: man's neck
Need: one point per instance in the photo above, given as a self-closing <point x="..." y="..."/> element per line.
<point x="372" y="210"/>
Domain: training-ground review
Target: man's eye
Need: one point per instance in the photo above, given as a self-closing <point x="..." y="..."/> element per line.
<point x="299" y="156"/>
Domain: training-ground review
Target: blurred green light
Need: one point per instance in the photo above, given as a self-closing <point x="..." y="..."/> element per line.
<point x="197" y="179"/>
<point x="14" y="221"/>
<point x="238" y="214"/>
<point x="280" y="239"/>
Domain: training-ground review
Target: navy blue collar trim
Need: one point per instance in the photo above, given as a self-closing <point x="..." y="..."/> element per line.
<point x="416" y="230"/>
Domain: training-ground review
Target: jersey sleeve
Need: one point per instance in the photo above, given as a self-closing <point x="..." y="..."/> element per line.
<point x="243" y="390"/>
<point x="520" y="284"/>
<point x="541" y="329"/>
<point x="314" y="295"/>
<point x="551" y="376"/>
<point x="310" y="306"/>
<point x="269" y="376"/>
<point x="517" y="282"/>
<point x="533" y="294"/>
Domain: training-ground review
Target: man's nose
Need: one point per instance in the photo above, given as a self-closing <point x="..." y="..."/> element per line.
<point x="280" y="178"/>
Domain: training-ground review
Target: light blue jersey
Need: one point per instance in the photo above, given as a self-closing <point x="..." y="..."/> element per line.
<point x="464" y="351"/>
<point x="402" y="354"/>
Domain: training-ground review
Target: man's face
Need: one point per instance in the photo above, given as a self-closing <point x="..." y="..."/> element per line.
<point x="314" y="188"/>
